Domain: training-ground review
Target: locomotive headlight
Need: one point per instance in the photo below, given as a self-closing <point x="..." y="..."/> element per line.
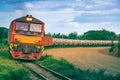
<point x="29" y="19"/>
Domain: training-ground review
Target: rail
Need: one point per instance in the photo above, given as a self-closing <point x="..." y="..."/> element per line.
<point x="43" y="72"/>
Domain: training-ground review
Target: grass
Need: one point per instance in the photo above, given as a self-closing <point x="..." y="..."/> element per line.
<point x="64" y="67"/>
<point x="10" y="70"/>
<point x="3" y="46"/>
<point x="73" y="46"/>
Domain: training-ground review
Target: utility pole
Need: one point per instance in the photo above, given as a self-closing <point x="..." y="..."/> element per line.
<point x="119" y="45"/>
<point x="112" y="41"/>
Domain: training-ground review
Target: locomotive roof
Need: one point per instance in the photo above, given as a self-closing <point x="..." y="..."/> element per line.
<point x="34" y="20"/>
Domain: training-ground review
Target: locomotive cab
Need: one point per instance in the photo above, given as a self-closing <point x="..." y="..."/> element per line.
<point x="26" y="38"/>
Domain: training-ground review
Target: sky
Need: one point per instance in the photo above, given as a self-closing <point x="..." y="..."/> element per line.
<point x="65" y="16"/>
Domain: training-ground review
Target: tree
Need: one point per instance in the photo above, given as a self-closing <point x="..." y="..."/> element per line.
<point x="73" y="35"/>
<point x="48" y="34"/>
<point x="99" y="35"/>
<point x="3" y="32"/>
<point x="58" y="35"/>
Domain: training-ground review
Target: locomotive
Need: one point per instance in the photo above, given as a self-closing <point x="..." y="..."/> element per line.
<point x="26" y="38"/>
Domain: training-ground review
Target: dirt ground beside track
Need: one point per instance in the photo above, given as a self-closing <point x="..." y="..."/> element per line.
<point x="88" y="58"/>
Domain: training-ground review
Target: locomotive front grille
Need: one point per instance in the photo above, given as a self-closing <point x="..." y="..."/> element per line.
<point x="27" y="49"/>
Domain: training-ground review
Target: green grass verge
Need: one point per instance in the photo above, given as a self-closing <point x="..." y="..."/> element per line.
<point x="64" y="67"/>
<point x="3" y="46"/>
<point x="10" y="70"/>
<point x="73" y="46"/>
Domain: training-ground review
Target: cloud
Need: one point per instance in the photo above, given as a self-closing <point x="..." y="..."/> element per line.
<point x="89" y="7"/>
<point x="104" y="3"/>
<point x="68" y="16"/>
<point x="84" y="27"/>
<point x="29" y="5"/>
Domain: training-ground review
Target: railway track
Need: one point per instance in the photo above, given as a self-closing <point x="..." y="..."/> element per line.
<point x="44" y="73"/>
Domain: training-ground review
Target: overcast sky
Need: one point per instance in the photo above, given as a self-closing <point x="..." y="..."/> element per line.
<point x="65" y="16"/>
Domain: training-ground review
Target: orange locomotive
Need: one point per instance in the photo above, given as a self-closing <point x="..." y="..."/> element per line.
<point x="26" y="38"/>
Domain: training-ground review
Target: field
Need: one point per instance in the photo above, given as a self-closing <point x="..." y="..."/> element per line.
<point x="88" y="58"/>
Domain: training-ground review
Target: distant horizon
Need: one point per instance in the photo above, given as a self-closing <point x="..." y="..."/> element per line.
<point x="65" y="16"/>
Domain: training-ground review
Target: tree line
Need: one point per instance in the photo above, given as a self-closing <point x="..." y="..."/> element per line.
<point x="89" y="35"/>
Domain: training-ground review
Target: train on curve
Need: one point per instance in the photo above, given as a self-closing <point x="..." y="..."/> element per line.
<point x="27" y="40"/>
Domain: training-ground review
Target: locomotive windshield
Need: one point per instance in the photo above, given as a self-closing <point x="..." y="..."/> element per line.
<point x="22" y="26"/>
<point x="28" y="29"/>
<point x="35" y="27"/>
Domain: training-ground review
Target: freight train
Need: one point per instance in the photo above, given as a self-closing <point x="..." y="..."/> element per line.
<point x="26" y="39"/>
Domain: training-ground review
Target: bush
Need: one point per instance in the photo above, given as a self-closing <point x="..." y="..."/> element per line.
<point x="111" y="49"/>
<point x="114" y="50"/>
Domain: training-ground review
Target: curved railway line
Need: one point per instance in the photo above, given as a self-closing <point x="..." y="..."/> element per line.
<point x="44" y="73"/>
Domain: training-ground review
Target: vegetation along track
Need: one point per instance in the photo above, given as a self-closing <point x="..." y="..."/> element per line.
<point x="2" y="49"/>
<point x="44" y="73"/>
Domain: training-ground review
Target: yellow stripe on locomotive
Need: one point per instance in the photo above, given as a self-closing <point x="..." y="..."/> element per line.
<point x="27" y="39"/>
